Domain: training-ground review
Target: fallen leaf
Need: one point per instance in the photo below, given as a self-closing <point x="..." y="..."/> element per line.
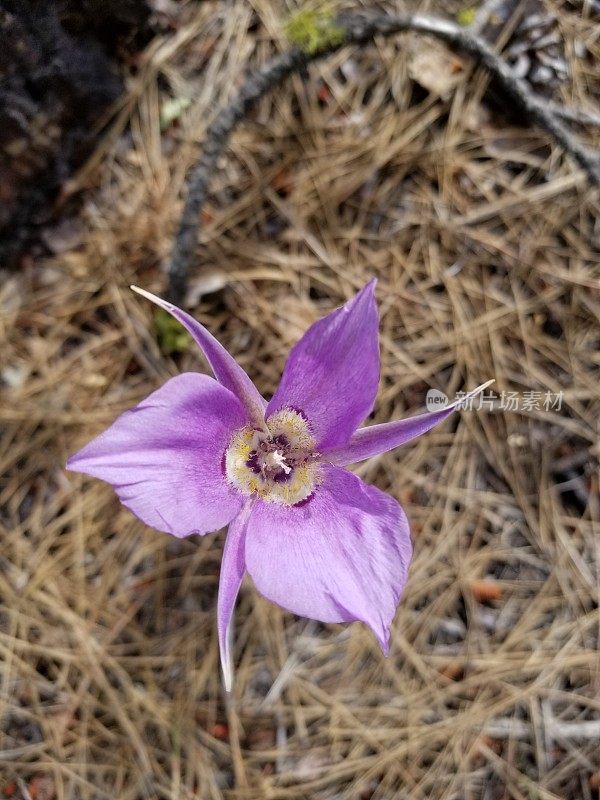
<point x="324" y="93"/>
<point x="41" y="787"/>
<point x="220" y="731"/>
<point x="207" y="284"/>
<point x="282" y="181"/>
<point x="434" y="68"/>
<point x="485" y="590"/>
<point x="453" y="671"/>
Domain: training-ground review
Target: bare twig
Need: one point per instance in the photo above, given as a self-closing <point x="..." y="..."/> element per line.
<point x="358" y="29"/>
<point x="217" y="137"/>
<point x="578" y="115"/>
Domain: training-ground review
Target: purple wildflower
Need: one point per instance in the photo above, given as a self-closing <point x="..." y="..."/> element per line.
<point x="200" y="453"/>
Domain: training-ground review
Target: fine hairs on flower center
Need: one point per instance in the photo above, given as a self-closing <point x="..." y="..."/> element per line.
<point x="277" y="465"/>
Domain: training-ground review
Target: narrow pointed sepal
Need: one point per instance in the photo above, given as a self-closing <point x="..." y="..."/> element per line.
<point x="227" y="371"/>
<point x="376" y="439"/>
<point x="233" y="568"/>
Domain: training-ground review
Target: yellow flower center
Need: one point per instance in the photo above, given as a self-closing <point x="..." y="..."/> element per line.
<point x="279" y="465"/>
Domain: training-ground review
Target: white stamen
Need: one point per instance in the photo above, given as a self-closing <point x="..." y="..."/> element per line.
<point x="279" y="461"/>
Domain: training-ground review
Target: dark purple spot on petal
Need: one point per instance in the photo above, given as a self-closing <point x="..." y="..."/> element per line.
<point x="252" y="462"/>
<point x="305" y="501"/>
<point x="299" y="412"/>
<point x="282" y="477"/>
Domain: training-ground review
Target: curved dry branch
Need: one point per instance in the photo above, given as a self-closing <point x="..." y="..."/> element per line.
<point x="358" y="29"/>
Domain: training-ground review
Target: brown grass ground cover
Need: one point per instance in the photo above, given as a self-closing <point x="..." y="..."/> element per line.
<point x="485" y="243"/>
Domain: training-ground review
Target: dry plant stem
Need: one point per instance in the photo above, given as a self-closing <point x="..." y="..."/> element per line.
<point x="359" y="29"/>
<point x="217" y="136"/>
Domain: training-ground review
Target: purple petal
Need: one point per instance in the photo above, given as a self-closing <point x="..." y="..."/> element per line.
<point x="226" y="369"/>
<point x="376" y="439"/>
<point x="339" y="557"/>
<point x="233" y="568"/>
<point x="164" y="457"/>
<point x="332" y="373"/>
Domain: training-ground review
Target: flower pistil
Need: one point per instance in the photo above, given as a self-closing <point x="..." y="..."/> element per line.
<point x="279" y="464"/>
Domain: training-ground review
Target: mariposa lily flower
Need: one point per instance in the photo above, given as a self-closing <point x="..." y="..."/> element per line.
<point x="200" y="453"/>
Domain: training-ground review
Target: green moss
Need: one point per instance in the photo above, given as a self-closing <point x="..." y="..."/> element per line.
<point x="172" y="109"/>
<point x="466" y="16"/>
<point x="312" y="31"/>
<point x="171" y="337"/>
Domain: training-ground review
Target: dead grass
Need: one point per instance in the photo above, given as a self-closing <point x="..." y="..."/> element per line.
<point x="486" y="248"/>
